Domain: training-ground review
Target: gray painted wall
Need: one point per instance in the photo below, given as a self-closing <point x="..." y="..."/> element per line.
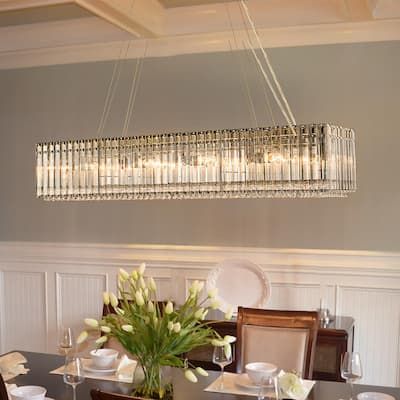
<point x="354" y="85"/>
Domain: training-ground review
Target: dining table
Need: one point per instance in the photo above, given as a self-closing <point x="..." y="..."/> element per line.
<point x="40" y="365"/>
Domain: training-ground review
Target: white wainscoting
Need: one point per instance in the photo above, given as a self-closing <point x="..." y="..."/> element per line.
<point x="45" y="285"/>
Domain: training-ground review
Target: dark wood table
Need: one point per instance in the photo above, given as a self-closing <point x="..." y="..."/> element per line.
<point x="41" y="364"/>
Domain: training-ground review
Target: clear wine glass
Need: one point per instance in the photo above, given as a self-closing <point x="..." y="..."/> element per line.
<point x="268" y="387"/>
<point x="73" y="373"/>
<point x="222" y="356"/>
<point x="65" y="340"/>
<point x="350" y="369"/>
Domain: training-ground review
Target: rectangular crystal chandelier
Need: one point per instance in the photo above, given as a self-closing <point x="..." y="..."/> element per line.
<point x="315" y="160"/>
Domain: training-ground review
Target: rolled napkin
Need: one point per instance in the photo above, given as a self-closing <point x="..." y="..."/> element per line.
<point x="11" y="365"/>
<point x="126" y="369"/>
<point x="291" y="385"/>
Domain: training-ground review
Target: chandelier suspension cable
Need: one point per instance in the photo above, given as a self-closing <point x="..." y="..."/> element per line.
<point x="288" y="113"/>
<point x="110" y="92"/>
<point x="267" y="101"/>
<point x="133" y="91"/>
<point x="244" y="80"/>
<point x="115" y="76"/>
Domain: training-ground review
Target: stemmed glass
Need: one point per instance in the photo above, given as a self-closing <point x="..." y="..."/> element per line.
<point x="73" y="373"/>
<point x="65" y="340"/>
<point x="268" y="387"/>
<point x="350" y="369"/>
<point x="222" y="356"/>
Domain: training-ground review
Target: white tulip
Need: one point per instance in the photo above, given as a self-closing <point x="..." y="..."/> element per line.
<point x="139" y="298"/>
<point x="194" y="288"/>
<point x="113" y="299"/>
<point x="169" y="308"/>
<point x="124" y="276"/>
<point x="190" y="376"/>
<point x="152" y="285"/>
<point x="91" y="322"/>
<point x="146" y="319"/>
<point x="215" y="304"/>
<point x="218" y="343"/>
<point x="105" y="329"/>
<point x="229" y="313"/>
<point x="142" y="268"/>
<point x="199" y="313"/>
<point x="177" y="327"/>
<point x="142" y="283"/>
<point x="101" y="340"/>
<point x="135" y="275"/>
<point x="228" y="350"/>
<point x="229" y="339"/>
<point x="212" y="293"/>
<point x="201" y="371"/>
<point x="146" y="293"/>
<point x="119" y="311"/>
<point x="127" y="328"/>
<point x="106" y="298"/>
<point x="155" y="320"/>
<point x="82" y="337"/>
<point x="170" y="325"/>
<point x="150" y="307"/>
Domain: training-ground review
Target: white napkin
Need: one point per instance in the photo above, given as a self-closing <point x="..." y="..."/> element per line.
<point x="126" y="369"/>
<point x="10" y="387"/>
<point x="11" y="365"/>
<point x="291" y="385"/>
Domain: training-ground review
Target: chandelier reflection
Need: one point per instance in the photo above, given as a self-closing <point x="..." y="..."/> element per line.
<point x="316" y="160"/>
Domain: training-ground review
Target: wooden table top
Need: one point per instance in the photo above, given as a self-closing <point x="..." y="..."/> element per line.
<point x="41" y="364"/>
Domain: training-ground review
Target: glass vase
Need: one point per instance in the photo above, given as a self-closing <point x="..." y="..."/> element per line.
<point x="156" y="383"/>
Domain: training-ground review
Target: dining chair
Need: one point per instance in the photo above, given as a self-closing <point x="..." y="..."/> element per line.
<point x="284" y="338"/>
<point x="97" y="394"/>
<point x="3" y="389"/>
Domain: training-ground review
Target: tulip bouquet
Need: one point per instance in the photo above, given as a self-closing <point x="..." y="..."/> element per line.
<point x="157" y="335"/>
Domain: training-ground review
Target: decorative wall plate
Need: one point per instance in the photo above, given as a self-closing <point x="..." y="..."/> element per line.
<point x="239" y="283"/>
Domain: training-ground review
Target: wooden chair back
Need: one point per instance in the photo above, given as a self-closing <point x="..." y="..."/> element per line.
<point x="284" y="338"/>
<point x="97" y="394"/>
<point x="3" y="389"/>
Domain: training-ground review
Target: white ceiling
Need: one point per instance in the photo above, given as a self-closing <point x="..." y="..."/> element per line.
<point x="44" y="32"/>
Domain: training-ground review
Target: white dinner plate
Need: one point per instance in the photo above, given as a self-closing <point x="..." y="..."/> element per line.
<point x="89" y="367"/>
<point x="245" y="382"/>
<point x="374" y="396"/>
<point x="239" y="283"/>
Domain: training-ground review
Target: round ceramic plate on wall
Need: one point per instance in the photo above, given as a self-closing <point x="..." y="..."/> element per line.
<point x="239" y="283"/>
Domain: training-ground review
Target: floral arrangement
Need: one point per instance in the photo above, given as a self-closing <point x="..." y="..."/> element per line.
<point x="157" y="335"/>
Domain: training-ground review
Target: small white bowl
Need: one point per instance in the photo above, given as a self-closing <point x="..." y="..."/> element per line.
<point x="104" y="358"/>
<point x="28" y="393"/>
<point x="256" y="371"/>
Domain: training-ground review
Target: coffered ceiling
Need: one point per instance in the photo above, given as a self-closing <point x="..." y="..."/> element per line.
<point x="43" y="32"/>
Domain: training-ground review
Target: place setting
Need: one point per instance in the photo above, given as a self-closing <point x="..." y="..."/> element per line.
<point x="261" y="379"/>
<point x="104" y="364"/>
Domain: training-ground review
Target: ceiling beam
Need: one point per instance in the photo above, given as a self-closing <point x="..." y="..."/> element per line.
<point x="11" y="5"/>
<point x="141" y="18"/>
<point x="359" y="10"/>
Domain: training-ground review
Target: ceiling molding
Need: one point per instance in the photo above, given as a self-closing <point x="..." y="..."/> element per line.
<point x="142" y="18"/>
<point x="384" y="30"/>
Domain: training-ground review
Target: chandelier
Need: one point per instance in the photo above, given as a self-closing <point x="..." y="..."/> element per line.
<point x="291" y="161"/>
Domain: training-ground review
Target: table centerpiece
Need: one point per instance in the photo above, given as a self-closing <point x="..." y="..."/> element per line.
<point x="157" y="334"/>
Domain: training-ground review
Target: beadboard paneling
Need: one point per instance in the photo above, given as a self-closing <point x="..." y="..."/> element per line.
<point x="24" y="310"/>
<point x="377" y="331"/>
<point x="44" y="285"/>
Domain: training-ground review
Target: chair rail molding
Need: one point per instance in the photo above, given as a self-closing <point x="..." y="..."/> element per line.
<point x="65" y="280"/>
